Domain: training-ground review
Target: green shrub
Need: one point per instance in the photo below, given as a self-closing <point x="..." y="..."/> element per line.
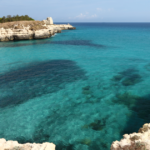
<point x="10" y="18"/>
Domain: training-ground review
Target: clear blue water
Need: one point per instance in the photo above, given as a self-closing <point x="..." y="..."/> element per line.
<point x="81" y="89"/>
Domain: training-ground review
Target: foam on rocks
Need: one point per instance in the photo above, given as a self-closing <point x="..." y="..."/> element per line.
<point x="134" y="141"/>
<point x="14" y="145"/>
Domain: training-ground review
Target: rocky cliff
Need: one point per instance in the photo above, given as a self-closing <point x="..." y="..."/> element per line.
<point x="134" y="141"/>
<point x="30" y="30"/>
<point x="14" y="145"/>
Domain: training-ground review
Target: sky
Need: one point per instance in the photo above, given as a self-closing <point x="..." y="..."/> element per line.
<point x="79" y="10"/>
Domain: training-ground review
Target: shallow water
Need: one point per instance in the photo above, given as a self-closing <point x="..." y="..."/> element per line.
<point x="81" y="89"/>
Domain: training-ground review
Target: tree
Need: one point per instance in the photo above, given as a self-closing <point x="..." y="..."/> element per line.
<point x="15" y="18"/>
<point x="8" y="16"/>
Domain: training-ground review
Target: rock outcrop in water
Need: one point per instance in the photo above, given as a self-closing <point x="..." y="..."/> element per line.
<point x="27" y="31"/>
<point x="134" y="141"/>
<point x="14" y="145"/>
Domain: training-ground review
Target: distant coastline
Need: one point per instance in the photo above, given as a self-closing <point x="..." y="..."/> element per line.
<point x="27" y="30"/>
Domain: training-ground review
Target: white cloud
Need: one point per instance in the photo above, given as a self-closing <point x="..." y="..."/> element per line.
<point x="86" y="16"/>
<point x="81" y="16"/>
<point x="94" y="16"/>
<point x="99" y="9"/>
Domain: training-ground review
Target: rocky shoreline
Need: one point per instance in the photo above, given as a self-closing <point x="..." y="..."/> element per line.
<point x="21" y="32"/>
<point x="134" y="141"/>
<point x="14" y="145"/>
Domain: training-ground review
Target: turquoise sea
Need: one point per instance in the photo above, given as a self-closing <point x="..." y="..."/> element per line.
<point x="81" y="89"/>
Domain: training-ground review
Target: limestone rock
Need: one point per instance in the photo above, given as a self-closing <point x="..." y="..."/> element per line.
<point x="14" y="145"/>
<point x="42" y="34"/>
<point x="25" y="33"/>
<point x="50" y="146"/>
<point x="72" y="28"/>
<point x="134" y="141"/>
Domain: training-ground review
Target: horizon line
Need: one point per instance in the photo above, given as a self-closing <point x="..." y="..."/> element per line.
<point x="101" y="22"/>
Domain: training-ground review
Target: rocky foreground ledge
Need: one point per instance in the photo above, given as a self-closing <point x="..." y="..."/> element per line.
<point x="134" y="141"/>
<point x="14" y="145"/>
<point x="27" y="30"/>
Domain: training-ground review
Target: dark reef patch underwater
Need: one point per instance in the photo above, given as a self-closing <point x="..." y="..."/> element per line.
<point x="37" y="79"/>
<point x="71" y="91"/>
<point x="66" y="42"/>
<point x="128" y="77"/>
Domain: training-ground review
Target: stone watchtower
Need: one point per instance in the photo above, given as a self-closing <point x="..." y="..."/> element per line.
<point x="49" y="21"/>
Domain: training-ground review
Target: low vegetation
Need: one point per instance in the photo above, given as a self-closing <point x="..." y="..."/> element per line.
<point x="19" y="22"/>
<point x="10" y="18"/>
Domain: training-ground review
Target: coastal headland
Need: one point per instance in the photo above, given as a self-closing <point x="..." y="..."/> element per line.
<point x="28" y="30"/>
